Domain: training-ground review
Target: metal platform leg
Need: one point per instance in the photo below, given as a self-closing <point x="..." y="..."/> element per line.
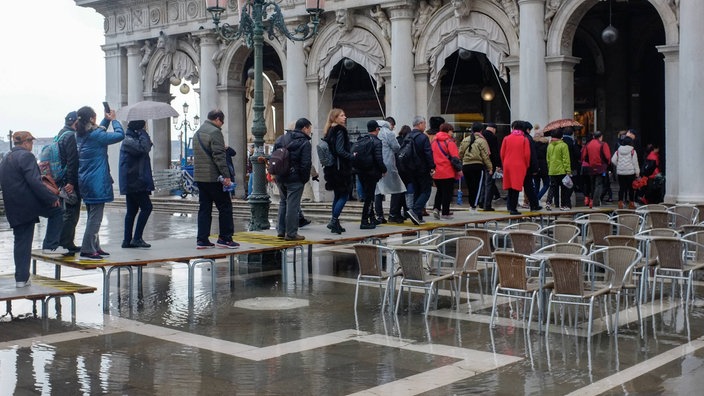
<point x="191" y="270"/>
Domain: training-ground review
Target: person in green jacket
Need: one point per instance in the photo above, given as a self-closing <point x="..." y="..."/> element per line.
<point x="558" y="158"/>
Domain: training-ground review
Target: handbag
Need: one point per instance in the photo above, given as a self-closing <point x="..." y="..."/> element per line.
<point x="454" y="161"/>
<point x="50" y="184"/>
<point x="567" y="181"/>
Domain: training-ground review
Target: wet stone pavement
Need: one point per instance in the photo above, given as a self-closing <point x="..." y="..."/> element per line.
<point x="261" y="334"/>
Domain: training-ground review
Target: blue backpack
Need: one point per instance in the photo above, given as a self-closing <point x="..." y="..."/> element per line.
<point x="50" y="159"/>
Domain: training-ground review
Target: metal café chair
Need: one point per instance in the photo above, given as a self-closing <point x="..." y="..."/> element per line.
<point x="650" y="253"/>
<point x="515" y="282"/>
<point x="628" y="223"/>
<point x="485" y="256"/>
<point x="371" y="270"/>
<point x="465" y="250"/>
<point x="578" y="282"/>
<point x="596" y="231"/>
<point x="561" y="232"/>
<point x="624" y="260"/>
<point x="686" y="213"/>
<point x="677" y="264"/>
<point x="415" y="275"/>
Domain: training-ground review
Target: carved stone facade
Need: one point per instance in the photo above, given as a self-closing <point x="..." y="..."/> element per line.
<point x="527" y="44"/>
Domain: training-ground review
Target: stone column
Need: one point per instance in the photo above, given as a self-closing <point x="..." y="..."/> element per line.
<point x="316" y="97"/>
<point x="560" y="90"/>
<point x="402" y="90"/>
<point x="295" y="96"/>
<point x="672" y="65"/>
<point x="115" y="80"/>
<point x="533" y="99"/>
<point x="208" y="75"/>
<point x="514" y="67"/>
<point x="691" y="103"/>
<point x="135" y="81"/>
<point x="425" y="105"/>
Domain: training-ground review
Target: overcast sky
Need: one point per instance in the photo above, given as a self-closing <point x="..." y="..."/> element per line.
<point x="51" y="64"/>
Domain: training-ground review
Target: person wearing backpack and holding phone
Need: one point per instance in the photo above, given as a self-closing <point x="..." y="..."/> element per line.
<point x="291" y="183"/>
<point x="338" y="176"/>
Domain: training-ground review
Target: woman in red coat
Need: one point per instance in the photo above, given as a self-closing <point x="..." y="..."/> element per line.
<point x="515" y="156"/>
<point x="443" y="146"/>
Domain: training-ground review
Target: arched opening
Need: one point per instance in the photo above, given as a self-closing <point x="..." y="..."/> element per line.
<point x="355" y="91"/>
<point x="272" y="71"/>
<point x="621" y="85"/>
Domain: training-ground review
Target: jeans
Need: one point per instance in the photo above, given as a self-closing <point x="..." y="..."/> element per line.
<point x="136" y="202"/>
<point x="68" y="230"/>
<point x="23" y="250"/>
<point x="211" y="192"/>
<point x="596" y="182"/>
<point x="289" y="207"/>
<point x="91" y="241"/>
<point x="423" y="185"/>
<point x="338" y="203"/>
<point x="545" y="179"/>
<point x="529" y="191"/>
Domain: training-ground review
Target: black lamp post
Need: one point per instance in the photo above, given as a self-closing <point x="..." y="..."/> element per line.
<point x="256" y="16"/>
<point x="185" y="125"/>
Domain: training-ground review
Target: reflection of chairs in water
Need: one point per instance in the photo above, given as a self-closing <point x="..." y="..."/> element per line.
<point x="515" y="282"/>
<point x="416" y="275"/>
<point x="576" y="285"/>
<point x="370" y="259"/>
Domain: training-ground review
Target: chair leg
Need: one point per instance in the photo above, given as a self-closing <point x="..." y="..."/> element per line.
<point x="398" y="299"/>
<point x="493" y="308"/>
<point x="547" y="316"/>
<point x="530" y="312"/>
<point x="356" y="293"/>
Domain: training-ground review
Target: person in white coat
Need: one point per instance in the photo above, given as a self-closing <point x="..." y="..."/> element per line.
<point x="625" y="159"/>
<point x="391" y="182"/>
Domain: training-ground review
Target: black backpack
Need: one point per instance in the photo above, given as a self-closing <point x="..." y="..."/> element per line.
<point x="363" y="153"/>
<point x="406" y="158"/>
<point x="279" y="163"/>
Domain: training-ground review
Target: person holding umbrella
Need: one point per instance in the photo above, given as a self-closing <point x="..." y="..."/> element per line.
<point x="136" y="182"/>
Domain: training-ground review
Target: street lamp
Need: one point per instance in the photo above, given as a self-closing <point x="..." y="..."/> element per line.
<point x="185" y="125"/>
<point x="256" y="16"/>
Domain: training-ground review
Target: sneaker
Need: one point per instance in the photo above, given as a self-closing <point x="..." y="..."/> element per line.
<point x="414" y="217"/>
<point x="303" y="222"/>
<point x="489" y="209"/>
<point x="127" y="245"/>
<point x="91" y="256"/>
<point x="536" y="208"/>
<point x="448" y="217"/>
<point x="24" y="284"/>
<point x="294" y="237"/>
<point x="206" y="244"/>
<point x="367" y="226"/>
<point x="73" y="249"/>
<point x="55" y="252"/>
<point x="514" y="213"/>
<point x="380" y="220"/>
<point x="548" y="207"/>
<point x="565" y="208"/>
<point x="103" y="252"/>
<point x="139" y="243"/>
<point x="227" y="244"/>
<point x="436" y="213"/>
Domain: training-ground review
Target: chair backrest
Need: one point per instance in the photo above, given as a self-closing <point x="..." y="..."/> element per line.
<point x="598" y="230"/>
<point x="657" y="219"/>
<point x="593" y="217"/>
<point x="465" y="252"/>
<point x="696" y="247"/>
<point x="524" y="225"/>
<point x="689" y="212"/>
<point x="649" y="207"/>
<point x="621" y="240"/>
<point x="690" y="228"/>
<point x="567" y="274"/>
<point x="524" y="242"/>
<point x="627" y="223"/>
<point x="576" y="249"/>
<point x="369" y="258"/>
<point x="622" y="259"/>
<point x="485" y="236"/>
<point x="412" y="262"/>
<point x="670" y="252"/>
<point x="512" y="270"/>
<point x="561" y="232"/>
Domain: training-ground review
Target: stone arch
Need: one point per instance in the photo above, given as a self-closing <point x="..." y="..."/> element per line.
<point x="364" y="44"/>
<point x="564" y="24"/>
<point x="482" y="31"/>
<point x="231" y="68"/>
<point x="159" y="54"/>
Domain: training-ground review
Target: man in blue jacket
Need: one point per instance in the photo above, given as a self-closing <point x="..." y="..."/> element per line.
<point x="290" y="185"/>
<point x="26" y="198"/>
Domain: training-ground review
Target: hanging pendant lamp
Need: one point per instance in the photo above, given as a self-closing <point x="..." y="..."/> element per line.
<point x="610" y="34"/>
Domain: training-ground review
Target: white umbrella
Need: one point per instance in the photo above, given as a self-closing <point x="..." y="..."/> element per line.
<point x="146" y="110"/>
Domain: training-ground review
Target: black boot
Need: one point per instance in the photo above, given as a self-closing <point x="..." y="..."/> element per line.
<point x="334" y="226"/>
